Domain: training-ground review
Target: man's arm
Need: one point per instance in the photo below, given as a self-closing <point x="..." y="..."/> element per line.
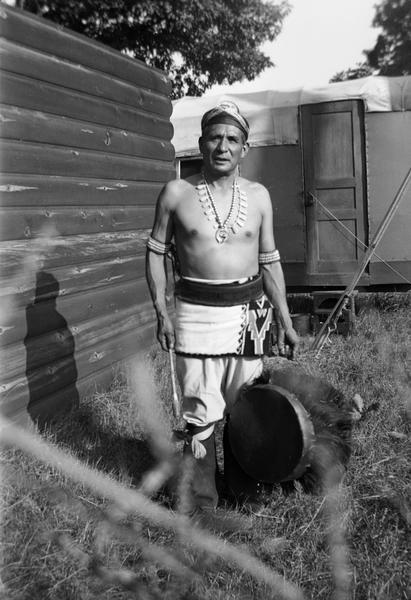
<point x="156" y="267"/>
<point x="273" y="278"/>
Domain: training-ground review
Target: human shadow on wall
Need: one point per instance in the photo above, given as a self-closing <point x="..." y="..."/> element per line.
<point x="54" y="404"/>
<point x="51" y="370"/>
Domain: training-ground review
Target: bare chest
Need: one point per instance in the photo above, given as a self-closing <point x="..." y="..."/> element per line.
<point x="199" y="218"/>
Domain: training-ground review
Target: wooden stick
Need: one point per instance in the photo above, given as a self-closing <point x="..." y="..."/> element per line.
<point x="175" y="404"/>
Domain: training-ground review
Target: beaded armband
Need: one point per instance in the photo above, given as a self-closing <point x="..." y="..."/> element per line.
<point x="157" y="247"/>
<point x="265" y="258"/>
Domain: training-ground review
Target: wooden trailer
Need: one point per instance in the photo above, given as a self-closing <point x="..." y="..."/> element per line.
<point x="85" y="149"/>
<point x="333" y="159"/>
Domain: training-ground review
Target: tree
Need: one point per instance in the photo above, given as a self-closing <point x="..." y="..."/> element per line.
<point x="197" y="42"/>
<point x="391" y="54"/>
<point x="360" y="70"/>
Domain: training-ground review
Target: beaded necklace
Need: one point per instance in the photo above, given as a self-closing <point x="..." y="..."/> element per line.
<point x="238" y="200"/>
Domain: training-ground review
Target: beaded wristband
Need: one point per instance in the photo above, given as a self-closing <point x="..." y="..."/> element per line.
<point x="265" y="258"/>
<point x="157" y="247"/>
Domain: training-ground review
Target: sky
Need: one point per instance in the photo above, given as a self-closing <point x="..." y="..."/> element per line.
<point x="318" y="39"/>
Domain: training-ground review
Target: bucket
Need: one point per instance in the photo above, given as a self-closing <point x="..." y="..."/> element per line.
<point x="301" y="323"/>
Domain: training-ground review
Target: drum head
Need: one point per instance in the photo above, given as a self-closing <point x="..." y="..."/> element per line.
<point x="270" y="433"/>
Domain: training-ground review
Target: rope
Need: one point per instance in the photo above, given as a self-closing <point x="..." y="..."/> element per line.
<point x="365" y="247"/>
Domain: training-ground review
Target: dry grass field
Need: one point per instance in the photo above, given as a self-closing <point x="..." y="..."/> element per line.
<point x="85" y="515"/>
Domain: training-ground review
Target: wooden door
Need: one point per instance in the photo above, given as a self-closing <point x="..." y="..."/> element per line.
<point x="334" y="176"/>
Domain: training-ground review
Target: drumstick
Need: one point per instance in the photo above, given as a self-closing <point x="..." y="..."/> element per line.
<point x="175" y="404"/>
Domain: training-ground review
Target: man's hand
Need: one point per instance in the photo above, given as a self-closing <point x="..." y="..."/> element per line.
<point x="287" y="342"/>
<point x="165" y="332"/>
<point x="293" y="339"/>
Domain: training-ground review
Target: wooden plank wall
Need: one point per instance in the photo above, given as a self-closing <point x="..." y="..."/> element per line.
<point x="85" y="149"/>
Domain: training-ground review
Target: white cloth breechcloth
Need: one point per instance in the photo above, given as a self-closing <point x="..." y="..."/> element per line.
<point x="210" y="385"/>
<point x="210" y="330"/>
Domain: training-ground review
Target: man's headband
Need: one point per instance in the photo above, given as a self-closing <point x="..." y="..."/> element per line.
<point x="226" y="113"/>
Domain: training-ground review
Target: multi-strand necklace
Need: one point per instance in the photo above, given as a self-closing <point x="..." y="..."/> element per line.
<point x="238" y="203"/>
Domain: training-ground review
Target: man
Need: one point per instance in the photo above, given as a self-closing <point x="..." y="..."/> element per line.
<point x="222" y="225"/>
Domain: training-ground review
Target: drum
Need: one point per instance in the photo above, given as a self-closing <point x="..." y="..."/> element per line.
<point x="270" y="434"/>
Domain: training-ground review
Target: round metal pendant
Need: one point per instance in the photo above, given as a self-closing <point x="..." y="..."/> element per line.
<point x="221" y="235"/>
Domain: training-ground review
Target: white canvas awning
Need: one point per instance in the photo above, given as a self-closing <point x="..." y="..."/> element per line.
<point x="273" y="114"/>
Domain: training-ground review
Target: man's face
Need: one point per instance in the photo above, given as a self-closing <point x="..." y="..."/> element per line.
<point x="222" y="147"/>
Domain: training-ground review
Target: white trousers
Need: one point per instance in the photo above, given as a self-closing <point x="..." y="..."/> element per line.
<point x="211" y="385"/>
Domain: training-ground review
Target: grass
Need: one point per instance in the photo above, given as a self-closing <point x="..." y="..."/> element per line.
<point x="69" y="537"/>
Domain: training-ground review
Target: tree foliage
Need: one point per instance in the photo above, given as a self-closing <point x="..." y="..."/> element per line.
<point x="360" y="70"/>
<point x="197" y="42"/>
<point x="391" y="54"/>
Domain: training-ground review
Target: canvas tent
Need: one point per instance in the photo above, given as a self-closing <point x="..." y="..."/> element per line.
<point x="332" y="158"/>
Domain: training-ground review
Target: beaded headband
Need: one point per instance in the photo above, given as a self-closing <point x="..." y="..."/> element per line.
<point x="226" y="113"/>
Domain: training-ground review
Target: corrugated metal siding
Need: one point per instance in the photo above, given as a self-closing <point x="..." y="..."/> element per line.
<point x="85" y="151"/>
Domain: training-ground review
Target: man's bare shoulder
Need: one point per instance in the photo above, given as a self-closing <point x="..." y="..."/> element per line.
<point x="256" y="192"/>
<point x="175" y="190"/>
<point x="177" y="186"/>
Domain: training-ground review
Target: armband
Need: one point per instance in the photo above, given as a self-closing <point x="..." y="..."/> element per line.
<point x="157" y="247"/>
<point x="265" y="258"/>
